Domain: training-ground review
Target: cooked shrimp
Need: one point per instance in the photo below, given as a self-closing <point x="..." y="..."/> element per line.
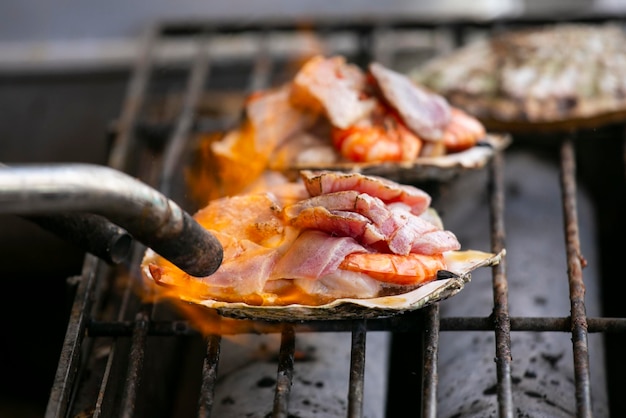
<point x="408" y="269"/>
<point x="462" y="132"/>
<point x="379" y="138"/>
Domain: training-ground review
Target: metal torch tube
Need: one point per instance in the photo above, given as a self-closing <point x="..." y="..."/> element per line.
<point x="92" y="233"/>
<point x="149" y="216"/>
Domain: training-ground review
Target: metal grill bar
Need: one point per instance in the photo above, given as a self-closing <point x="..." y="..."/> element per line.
<point x="64" y="379"/>
<point x="263" y="65"/>
<point x="190" y="27"/>
<point x="431" y="355"/>
<point x="502" y="322"/>
<point x="209" y="376"/>
<point x="467" y="323"/>
<point x="107" y="378"/>
<point x="137" y="354"/>
<point x="284" y="375"/>
<point x="429" y="325"/>
<point x="357" y="370"/>
<point x="576" y="285"/>
<point x="178" y="142"/>
<point x="125" y="147"/>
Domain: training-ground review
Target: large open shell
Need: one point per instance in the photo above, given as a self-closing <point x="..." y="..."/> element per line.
<point x="442" y="168"/>
<point x="451" y="282"/>
<point x="552" y="78"/>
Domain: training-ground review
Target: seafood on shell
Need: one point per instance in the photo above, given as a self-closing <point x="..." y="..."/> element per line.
<point x="331" y="245"/>
<point x="335" y="115"/>
<point x="566" y="74"/>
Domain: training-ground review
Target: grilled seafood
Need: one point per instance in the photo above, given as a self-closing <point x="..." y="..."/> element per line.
<point x="333" y="87"/>
<point x="331" y="235"/>
<point x="334" y="112"/>
<point x="559" y="73"/>
<point x="425" y="113"/>
<point x="381" y="137"/>
<point x="413" y="268"/>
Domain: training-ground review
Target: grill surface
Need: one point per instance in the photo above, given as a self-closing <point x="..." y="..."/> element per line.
<point x="117" y="347"/>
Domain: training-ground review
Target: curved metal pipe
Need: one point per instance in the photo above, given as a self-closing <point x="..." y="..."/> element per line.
<point x="104" y="239"/>
<point x="149" y="216"/>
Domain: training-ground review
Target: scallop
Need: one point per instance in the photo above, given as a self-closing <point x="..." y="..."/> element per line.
<point x="441" y="168"/>
<point x="448" y="283"/>
<point x="551" y="77"/>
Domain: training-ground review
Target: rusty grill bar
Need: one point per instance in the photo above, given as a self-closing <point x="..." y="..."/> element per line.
<point x="135" y="321"/>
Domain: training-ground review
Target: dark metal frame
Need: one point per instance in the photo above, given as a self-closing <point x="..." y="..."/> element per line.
<point x="85" y="328"/>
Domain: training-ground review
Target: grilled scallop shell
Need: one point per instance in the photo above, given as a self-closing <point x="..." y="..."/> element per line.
<point x="448" y="283"/>
<point x="553" y="76"/>
<point x="441" y="168"/>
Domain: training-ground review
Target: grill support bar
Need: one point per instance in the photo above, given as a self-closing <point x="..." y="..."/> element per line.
<point x="177" y="143"/>
<point x="502" y="322"/>
<point x="284" y="375"/>
<point x="357" y="369"/>
<point x="577" y="288"/>
<point x="137" y="354"/>
<point x="70" y="352"/>
<point x="209" y="376"/>
<point x="124" y="146"/>
<point x="452" y="323"/>
<point x="431" y="356"/>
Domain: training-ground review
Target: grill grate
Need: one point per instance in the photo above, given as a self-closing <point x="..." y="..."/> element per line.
<point x="116" y="331"/>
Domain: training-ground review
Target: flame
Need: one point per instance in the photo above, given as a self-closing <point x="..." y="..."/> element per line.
<point x="201" y="177"/>
<point x="181" y="294"/>
<point x="226" y="163"/>
<point x="173" y="283"/>
<point x="184" y="300"/>
<point x="212" y="176"/>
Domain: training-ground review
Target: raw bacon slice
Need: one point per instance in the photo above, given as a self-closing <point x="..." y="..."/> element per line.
<point x="314" y="254"/>
<point x="370" y="207"/>
<point x="247" y="273"/>
<point x="281" y="242"/>
<point x="274" y="119"/>
<point x="335" y="222"/>
<point x="425" y="112"/>
<point x="417" y="235"/>
<point x="324" y="182"/>
<point x="345" y="200"/>
<point x="402" y="231"/>
<point x="333" y="87"/>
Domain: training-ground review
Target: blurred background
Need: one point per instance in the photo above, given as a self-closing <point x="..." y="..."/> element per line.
<point x="64" y="68"/>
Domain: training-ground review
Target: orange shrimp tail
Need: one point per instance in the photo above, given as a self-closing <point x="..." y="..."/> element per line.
<point x="387" y="139"/>
<point x="408" y="269"/>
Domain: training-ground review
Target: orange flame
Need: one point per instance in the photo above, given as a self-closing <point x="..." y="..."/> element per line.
<point x="240" y="167"/>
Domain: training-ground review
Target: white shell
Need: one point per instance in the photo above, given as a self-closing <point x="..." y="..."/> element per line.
<point x="442" y="168"/>
<point x="460" y="263"/>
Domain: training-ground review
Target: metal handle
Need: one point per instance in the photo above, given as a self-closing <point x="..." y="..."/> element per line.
<point x="148" y="215"/>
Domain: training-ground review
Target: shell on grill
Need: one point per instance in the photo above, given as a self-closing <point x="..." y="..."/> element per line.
<point x="441" y="168"/>
<point x="332" y="116"/>
<point x="553" y="76"/>
<point x="448" y="283"/>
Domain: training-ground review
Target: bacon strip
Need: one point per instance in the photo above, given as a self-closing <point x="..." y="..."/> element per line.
<point x="426" y="113"/>
<point x="334" y="87"/>
<point x="314" y="254"/>
<point x="324" y="182"/>
<point x="368" y="220"/>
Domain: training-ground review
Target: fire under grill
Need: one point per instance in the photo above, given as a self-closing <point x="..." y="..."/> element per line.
<point x="126" y="356"/>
